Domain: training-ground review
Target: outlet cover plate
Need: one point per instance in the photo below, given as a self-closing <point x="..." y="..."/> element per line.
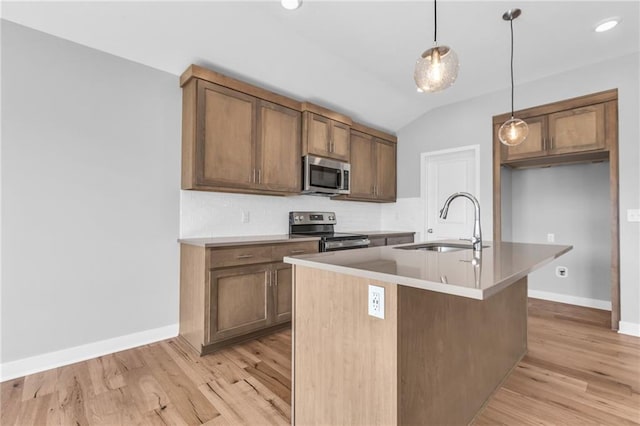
<point x="376" y="301"/>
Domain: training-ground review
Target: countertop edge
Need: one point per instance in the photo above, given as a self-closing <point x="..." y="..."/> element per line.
<point x="211" y="243"/>
<point x="471" y="293"/>
<point x="451" y="289"/>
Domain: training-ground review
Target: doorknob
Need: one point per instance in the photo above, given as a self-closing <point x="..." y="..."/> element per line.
<point x="430" y="230"/>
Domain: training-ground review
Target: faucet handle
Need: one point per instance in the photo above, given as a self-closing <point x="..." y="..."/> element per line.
<point x="466" y="239"/>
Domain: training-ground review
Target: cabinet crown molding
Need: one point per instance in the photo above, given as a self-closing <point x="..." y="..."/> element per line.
<point x="195" y="71"/>
<point x="580" y="101"/>
<point x="317" y="109"/>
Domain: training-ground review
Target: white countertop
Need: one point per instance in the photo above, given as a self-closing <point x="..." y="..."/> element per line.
<point x="456" y="273"/>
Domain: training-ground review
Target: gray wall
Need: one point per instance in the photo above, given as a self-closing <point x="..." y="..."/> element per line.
<point x="571" y="202"/>
<point x="90" y="195"/>
<point x="469" y="122"/>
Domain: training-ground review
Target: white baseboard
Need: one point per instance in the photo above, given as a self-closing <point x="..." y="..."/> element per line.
<point x="35" y="364"/>
<point x="630" y="328"/>
<point x="571" y="300"/>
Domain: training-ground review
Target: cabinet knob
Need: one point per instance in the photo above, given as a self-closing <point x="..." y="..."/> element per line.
<point x="430" y="231"/>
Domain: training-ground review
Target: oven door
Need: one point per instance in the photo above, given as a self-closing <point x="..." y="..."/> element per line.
<point x="344" y="244"/>
<point x="325" y="176"/>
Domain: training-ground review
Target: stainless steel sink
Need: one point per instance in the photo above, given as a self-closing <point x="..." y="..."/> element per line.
<point x="436" y="246"/>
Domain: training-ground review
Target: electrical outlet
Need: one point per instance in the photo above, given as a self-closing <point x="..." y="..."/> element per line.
<point x="551" y="238"/>
<point x="633" y="215"/>
<point x="376" y="301"/>
<point x="245" y="217"/>
<point x="562" y="271"/>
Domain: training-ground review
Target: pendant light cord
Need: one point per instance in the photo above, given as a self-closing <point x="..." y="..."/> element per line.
<point x="511" y="22"/>
<point x="435" y="23"/>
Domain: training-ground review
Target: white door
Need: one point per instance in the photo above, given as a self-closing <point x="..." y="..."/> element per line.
<point x="443" y="173"/>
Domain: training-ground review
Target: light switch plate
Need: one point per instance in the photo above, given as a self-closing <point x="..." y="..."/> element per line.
<point x="633" y="215"/>
<point x="376" y="301"/>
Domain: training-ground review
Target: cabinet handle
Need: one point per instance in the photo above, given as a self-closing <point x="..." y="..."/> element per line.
<point x="259" y="175"/>
<point x="297" y="251"/>
<point x="244" y="256"/>
<point x="551" y="142"/>
<point x="253" y="175"/>
<point x="372" y="190"/>
<point x="330" y="145"/>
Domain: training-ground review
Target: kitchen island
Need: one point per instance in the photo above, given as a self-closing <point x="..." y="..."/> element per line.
<point x="455" y="324"/>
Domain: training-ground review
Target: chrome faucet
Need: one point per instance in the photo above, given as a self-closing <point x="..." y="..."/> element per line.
<point x="476" y="239"/>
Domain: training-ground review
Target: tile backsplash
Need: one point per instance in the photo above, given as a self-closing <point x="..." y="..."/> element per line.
<point x="215" y="214"/>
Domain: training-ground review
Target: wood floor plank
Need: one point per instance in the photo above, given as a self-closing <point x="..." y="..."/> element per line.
<point x="277" y="383"/>
<point x="40" y="384"/>
<point x="72" y="394"/>
<point x="577" y="372"/>
<point x="182" y="393"/>
<point x="11" y="392"/>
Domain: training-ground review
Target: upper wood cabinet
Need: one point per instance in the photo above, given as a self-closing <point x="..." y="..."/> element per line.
<point x="578" y="129"/>
<point x="235" y="137"/>
<point x="373" y="165"/>
<point x="575" y="130"/>
<point x="325" y="133"/>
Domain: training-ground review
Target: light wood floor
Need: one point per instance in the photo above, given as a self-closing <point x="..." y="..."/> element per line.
<point x="576" y="372"/>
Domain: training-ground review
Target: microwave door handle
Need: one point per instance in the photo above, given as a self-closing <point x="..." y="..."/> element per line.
<point x="339" y="172"/>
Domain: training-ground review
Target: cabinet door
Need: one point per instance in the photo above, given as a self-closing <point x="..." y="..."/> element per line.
<point x="282" y="293"/>
<point x="362" y="166"/>
<point x="318" y="133"/>
<point x="533" y="146"/>
<point x="385" y="170"/>
<point x="575" y="130"/>
<point x="238" y="301"/>
<point x="225" y="136"/>
<point x="278" y="148"/>
<point x="340" y="137"/>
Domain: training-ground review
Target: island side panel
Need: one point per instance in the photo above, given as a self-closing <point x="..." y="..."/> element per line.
<point x="454" y="351"/>
<point x="345" y="361"/>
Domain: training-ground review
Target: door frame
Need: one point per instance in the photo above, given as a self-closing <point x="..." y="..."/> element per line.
<point x="424" y="157"/>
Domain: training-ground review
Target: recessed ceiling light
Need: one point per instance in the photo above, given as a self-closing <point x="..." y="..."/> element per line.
<point x="291" y="4"/>
<point x="607" y="24"/>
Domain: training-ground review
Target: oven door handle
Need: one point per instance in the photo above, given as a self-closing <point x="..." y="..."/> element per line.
<point x="331" y="245"/>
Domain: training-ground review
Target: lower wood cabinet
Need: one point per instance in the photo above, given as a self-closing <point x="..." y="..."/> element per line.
<point x="234" y="293"/>
<point x="238" y="301"/>
<point x="248" y="298"/>
<point x="282" y="293"/>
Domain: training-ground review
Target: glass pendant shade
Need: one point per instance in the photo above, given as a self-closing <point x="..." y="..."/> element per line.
<point x="513" y="132"/>
<point x="436" y="69"/>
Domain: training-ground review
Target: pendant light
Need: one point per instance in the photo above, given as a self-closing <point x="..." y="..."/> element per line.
<point x="513" y="131"/>
<point x="437" y="68"/>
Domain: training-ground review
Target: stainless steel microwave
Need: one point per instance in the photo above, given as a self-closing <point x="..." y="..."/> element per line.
<point x="325" y="177"/>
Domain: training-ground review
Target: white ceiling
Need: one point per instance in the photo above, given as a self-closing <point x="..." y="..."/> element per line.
<point x="355" y="57"/>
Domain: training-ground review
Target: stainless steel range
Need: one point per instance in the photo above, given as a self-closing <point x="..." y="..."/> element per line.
<point x="320" y="224"/>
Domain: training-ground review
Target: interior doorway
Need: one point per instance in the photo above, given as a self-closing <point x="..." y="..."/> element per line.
<point x="443" y="173"/>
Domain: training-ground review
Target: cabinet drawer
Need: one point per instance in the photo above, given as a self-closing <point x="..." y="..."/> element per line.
<point x="294" y="249"/>
<point x="244" y="255"/>
<point x="391" y="241"/>
<point x="377" y="241"/>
